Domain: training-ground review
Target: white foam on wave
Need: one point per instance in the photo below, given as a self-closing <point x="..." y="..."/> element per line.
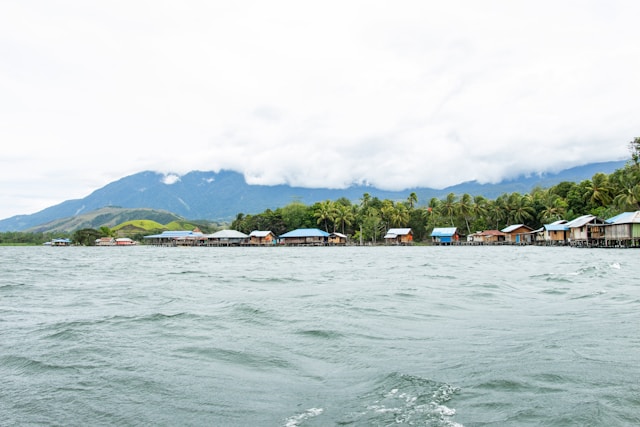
<point x="615" y="265"/>
<point x="295" y="420"/>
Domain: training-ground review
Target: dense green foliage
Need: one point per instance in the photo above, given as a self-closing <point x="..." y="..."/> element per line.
<point x="603" y="195"/>
<point x="134" y="229"/>
<point x="25" y="238"/>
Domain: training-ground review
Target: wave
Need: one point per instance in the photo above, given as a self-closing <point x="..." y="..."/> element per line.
<point x="552" y="277"/>
<point x="408" y="400"/>
<point x="243" y="358"/>
<point x="591" y="295"/>
<point x="26" y="364"/>
<point x="298" y="419"/>
<point x="70" y="330"/>
<point x="320" y="333"/>
<point x="11" y="286"/>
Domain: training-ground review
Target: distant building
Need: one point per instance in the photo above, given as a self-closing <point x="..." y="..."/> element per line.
<point x="61" y="242"/>
<point x="177" y="238"/>
<point x="586" y="230"/>
<point x="519" y="234"/>
<point x="556" y="233"/>
<point x="262" y="238"/>
<point x="487" y="237"/>
<point x="125" y="241"/>
<point x="445" y="235"/>
<point x="305" y="236"/>
<point x="106" y="241"/>
<point x="399" y="236"/>
<point x="227" y="238"/>
<point x="337" y="239"/>
<point x="623" y="229"/>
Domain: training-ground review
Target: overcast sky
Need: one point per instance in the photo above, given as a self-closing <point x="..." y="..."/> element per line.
<point x="396" y="94"/>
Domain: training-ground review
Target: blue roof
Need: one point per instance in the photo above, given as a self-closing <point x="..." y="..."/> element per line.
<point x="443" y="232"/>
<point x="625" y="218"/>
<point x="556" y="227"/>
<point x="305" y="232"/>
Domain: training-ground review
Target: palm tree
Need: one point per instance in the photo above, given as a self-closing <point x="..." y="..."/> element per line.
<point x="325" y="212"/>
<point x="365" y="202"/>
<point x="479" y="207"/>
<point x="448" y="207"/>
<point x="433" y="210"/>
<point x="497" y="210"/>
<point x="629" y="199"/>
<point x="465" y="208"/>
<point x="371" y="223"/>
<point x="386" y="212"/>
<point x="521" y="208"/>
<point x="399" y="216"/>
<point x="599" y="190"/>
<point x="412" y="199"/>
<point x="343" y="215"/>
<point x="554" y="207"/>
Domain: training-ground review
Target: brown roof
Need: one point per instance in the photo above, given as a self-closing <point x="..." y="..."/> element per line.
<point x="492" y="233"/>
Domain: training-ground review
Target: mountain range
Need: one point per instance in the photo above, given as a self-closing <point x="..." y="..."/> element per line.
<point x="220" y="196"/>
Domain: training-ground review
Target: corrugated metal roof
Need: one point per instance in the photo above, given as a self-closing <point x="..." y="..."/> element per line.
<point x="339" y="235"/>
<point x="305" y="232"/>
<point x="443" y="231"/>
<point x="514" y="227"/>
<point x="625" y="218"/>
<point x="492" y="233"/>
<point x="260" y="233"/>
<point x="227" y="234"/>
<point x="556" y="227"/>
<point x="399" y="231"/>
<point x="580" y="221"/>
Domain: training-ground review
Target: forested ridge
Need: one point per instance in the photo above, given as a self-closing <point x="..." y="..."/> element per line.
<point x="604" y="195"/>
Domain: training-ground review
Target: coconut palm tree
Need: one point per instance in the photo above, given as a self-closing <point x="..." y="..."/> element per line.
<point x="479" y="207"/>
<point x="386" y="212"/>
<point x="599" y="190"/>
<point x="465" y="209"/>
<point x="497" y="210"/>
<point x="399" y="216"/>
<point x="629" y="199"/>
<point x="412" y="199"/>
<point x="448" y="207"/>
<point x="555" y="207"/>
<point x="520" y="208"/>
<point x="325" y="212"/>
<point x="343" y="215"/>
<point x="433" y="212"/>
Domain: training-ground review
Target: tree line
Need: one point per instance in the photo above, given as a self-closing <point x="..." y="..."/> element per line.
<point x="604" y="195"/>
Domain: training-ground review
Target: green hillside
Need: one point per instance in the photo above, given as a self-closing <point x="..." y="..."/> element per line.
<point x="111" y="217"/>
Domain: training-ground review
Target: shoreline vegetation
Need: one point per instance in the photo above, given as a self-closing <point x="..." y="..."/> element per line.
<point x="366" y="222"/>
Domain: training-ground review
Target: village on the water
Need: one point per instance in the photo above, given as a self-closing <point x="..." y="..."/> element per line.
<point x="620" y="231"/>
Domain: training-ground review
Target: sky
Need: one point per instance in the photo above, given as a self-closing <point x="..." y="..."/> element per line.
<point x="393" y="94"/>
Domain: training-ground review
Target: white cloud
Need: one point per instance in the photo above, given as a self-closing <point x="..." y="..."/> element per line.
<point x="393" y="94"/>
<point x="170" y="179"/>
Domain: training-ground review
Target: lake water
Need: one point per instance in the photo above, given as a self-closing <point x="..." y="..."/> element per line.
<point x="358" y="336"/>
